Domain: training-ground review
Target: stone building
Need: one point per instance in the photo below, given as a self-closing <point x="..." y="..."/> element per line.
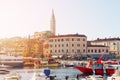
<point x="68" y="44"/>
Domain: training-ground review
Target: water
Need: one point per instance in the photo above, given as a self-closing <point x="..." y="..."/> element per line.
<point x="59" y="72"/>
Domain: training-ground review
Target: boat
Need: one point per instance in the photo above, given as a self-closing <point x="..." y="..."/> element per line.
<point x="12" y="76"/>
<point x="94" y="77"/>
<point x="11" y="61"/>
<point x="5" y="66"/>
<point x="112" y="62"/>
<point x="115" y="76"/>
<point x="46" y="63"/>
<point x="97" y="68"/>
<point x="116" y="66"/>
<point x="4" y="71"/>
<point x="38" y="76"/>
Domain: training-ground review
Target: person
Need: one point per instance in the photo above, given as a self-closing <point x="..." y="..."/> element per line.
<point x="66" y="77"/>
<point x="52" y="77"/>
<point x="77" y="77"/>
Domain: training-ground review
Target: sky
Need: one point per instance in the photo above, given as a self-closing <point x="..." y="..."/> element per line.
<point x="93" y="18"/>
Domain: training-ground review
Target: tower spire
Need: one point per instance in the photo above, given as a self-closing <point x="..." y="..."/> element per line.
<point x="53" y="23"/>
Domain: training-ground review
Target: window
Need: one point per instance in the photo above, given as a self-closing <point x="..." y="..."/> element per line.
<point x="58" y="40"/>
<point x="50" y="51"/>
<point x="102" y="50"/>
<point x="72" y="39"/>
<point x="83" y="45"/>
<point x="106" y="50"/>
<point x="55" y="45"/>
<point x="114" y="43"/>
<point x="91" y="50"/>
<point x="62" y="45"/>
<point x="78" y="51"/>
<point x="59" y="51"/>
<point x="83" y="50"/>
<point x="95" y="50"/>
<point x="72" y="45"/>
<point x="55" y="51"/>
<point x="78" y="39"/>
<point x="62" y="50"/>
<point x="99" y="51"/>
<point x="83" y="39"/>
<point x="67" y="39"/>
<point x="78" y="45"/>
<point x="59" y="45"/>
<point x="62" y="40"/>
<point x="67" y="51"/>
<point x="66" y="45"/>
<point x="88" y="50"/>
<point x="51" y="40"/>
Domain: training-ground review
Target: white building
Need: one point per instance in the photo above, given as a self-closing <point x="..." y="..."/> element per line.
<point x="68" y="44"/>
<point x="97" y="49"/>
<point x="112" y="43"/>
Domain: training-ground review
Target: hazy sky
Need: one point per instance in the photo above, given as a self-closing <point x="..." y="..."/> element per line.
<point x="94" y="18"/>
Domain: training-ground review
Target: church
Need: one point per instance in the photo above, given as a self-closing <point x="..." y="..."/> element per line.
<point x="43" y="35"/>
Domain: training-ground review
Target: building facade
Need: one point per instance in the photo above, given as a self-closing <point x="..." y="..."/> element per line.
<point x="97" y="49"/>
<point x="43" y="35"/>
<point x="112" y="43"/>
<point x="68" y="44"/>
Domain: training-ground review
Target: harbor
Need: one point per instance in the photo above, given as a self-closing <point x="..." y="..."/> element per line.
<point x="59" y="73"/>
<point x="73" y="71"/>
<point x="27" y="74"/>
<point x="58" y="69"/>
<point x="78" y="44"/>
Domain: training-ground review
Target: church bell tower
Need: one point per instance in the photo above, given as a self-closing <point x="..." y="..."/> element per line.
<point x="53" y="23"/>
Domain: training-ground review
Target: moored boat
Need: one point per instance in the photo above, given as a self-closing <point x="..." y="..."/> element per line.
<point x="38" y="76"/>
<point x="97" y="68"/>
<point x="4" y="71"/>
<point x="5" y="66"/>
<point x="115" y="76"/>
<point x="94" y="77"/>
<point x="11" y="61"/>
<point x="12" y="76"/>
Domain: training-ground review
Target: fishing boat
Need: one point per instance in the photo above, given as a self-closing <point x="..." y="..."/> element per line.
<point x="4" y="71"/>
<point x="12" y="76"/>
<point x="97" y="68"/>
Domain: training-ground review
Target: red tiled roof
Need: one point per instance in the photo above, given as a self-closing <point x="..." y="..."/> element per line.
<point x="106" y="39"/>
<point x="68" y="35"/>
